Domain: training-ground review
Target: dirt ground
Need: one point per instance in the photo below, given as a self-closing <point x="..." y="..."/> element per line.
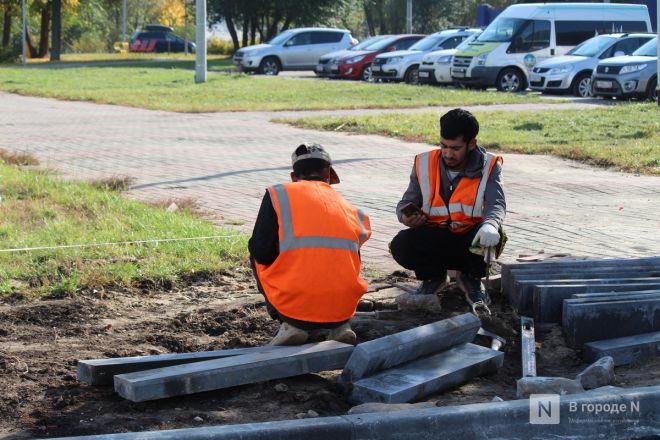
<point x="41" y="342"/>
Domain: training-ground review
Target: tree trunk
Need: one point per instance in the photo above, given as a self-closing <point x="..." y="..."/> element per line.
<point x="370" y="20"/>
<point x="253" y="30"/>
<point x="45" y="31"/>
<point x="57" y="31"/>
<point x="31" y="50"/>
<point x="232" y="32"/>
<point x="246" y="25"/>
<point x="6" y="27"/>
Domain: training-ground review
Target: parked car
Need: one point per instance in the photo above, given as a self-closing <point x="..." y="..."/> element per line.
<point x="525" y="34"/>
<point x="634" y="76"/>
<point x="158" y="38"/>
<point x="403" y="65"/>
<point x="572" y="72"/>
<point x="296" y="49"/>
<point x="436" y="66"/>
<point x="323" y="65"/>
<point x="357" y="64"/>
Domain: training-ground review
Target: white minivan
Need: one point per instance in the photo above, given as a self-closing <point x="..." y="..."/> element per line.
<point x="525" y="34"/>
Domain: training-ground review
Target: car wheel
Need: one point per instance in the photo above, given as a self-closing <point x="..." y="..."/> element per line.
<point x="582" y="86"/>
<point x="270" y="66"/>
<point x="511" y="80"/>
<point x="652" y="92"/>
<point x="366" y="73"/>
<point x="412" y="75"/>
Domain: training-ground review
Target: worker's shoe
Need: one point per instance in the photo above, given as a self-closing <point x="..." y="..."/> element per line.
<point x="474" y="291"/>
<point x="432" y="286"/>
<point x="289" y="335"/>
<point x="343" y="333"/>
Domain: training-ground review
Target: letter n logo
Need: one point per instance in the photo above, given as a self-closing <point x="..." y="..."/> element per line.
<point x="544" y="409"/>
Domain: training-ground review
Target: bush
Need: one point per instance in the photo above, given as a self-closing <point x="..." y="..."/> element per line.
<point x="216" y="46"/>
<point x="11" y="53"/>
<point x="90" y="42"/>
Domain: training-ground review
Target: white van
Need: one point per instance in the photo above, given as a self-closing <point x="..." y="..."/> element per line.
<point x="525" y="34"/>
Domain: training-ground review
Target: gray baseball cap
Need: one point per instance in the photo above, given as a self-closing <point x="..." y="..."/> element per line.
<point x="315" y="151"/>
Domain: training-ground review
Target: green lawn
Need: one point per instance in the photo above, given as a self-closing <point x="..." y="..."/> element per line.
<point x="174" y="89"/>
<point x="624" y="136"/>
<point x="39" y="209"/>
<point x="133" y="60"/>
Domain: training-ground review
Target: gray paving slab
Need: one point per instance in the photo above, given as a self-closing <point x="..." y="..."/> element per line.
<point x="389" y="351"/>
<point x="202" y="157"/>
<point x="496" y="420"/>
<point x="548" y="299"/>
<point x="428" y="375"/>
<point x="594" y="321"/>
<point x="624" y="351"/>
<point x="509" y="270"/>
<point x="216" y="374"/>
<point x="101" y="371"/>
<point x="521" y="297"/>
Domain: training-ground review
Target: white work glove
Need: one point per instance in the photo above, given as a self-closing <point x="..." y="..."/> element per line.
<point x="487" y="236"/>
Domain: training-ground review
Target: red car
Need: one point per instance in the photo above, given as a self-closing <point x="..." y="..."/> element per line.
<point x="357" y="64"/>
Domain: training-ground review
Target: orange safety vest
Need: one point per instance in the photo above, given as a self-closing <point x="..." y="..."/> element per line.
<point x="316" y="276"/>
<point x="466" y="204"/>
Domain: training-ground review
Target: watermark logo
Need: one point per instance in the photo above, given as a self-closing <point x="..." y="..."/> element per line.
<point x="544" y="409"/>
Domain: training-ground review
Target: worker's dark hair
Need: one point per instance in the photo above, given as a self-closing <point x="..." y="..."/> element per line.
<point x="458" y="122"/>
<point x="308" y="167"/>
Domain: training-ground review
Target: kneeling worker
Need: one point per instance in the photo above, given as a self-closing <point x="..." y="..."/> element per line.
<point x="454" y="202"/>
<point x="305" y="251"/>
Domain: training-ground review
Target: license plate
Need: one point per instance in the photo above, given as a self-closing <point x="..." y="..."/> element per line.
<point x="604" y="84"/>
<point x="319" y="68"/>
<point x="535" y="78"/>
<point x="459" y="73"/>
<point x="375" y="68"/>
<point x="423" y="74"/>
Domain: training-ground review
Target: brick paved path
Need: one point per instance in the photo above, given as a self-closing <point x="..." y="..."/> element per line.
<point x="226" y="160"/>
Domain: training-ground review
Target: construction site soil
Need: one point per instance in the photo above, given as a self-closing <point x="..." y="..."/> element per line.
<point x="40" y="343"/>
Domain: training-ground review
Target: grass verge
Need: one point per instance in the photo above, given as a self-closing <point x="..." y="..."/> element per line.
<point x="175" y="90"/>
<point x="624" y="136"/>
<point x="153" y="60"/>
<point x="39" y="209"/>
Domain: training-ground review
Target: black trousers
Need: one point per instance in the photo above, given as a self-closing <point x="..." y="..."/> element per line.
<point x="275" y="314"/>
<point x="430" y="251"/>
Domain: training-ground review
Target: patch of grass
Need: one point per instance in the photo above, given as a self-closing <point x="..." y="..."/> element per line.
<point x="39" y="209"/>
<point x="624" y="136"/>
<point x="175" y="90"/>
<point x="186" y="204"/>
<point x="113" y="183"/>
<point x="154" y="60"/>
<point x="17" y="158"/>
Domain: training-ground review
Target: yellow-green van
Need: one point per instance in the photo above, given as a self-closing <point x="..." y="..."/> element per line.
<point x="525" y="34"/>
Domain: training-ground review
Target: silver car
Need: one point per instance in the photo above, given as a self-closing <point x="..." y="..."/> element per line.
<point x="572" y="72"/>
<point x="296" y="49"/>
<point x="436" y="66"/>
<point x="633" y="76"/>
<point x="403" y="65"/>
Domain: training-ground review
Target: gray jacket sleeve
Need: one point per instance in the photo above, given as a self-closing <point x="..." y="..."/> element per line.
<point x="412" y="195"/>
<point x="495" y="201"/>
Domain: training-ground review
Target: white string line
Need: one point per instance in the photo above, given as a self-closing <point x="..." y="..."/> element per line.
<point x="69" y="246"/>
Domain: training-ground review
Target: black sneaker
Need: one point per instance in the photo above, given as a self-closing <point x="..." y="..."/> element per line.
<point x="430" y="287"/>
<point x="474" y="290"/>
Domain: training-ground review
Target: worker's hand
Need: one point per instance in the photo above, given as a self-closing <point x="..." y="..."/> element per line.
<point x="414" y="220"/>
<point x="487" y="236"/>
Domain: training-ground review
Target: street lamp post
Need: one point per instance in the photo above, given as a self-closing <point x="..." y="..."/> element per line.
<point x="24" y="31"/>
<point x="123" y="20"/>
<point x="409" y="16"/>
<point x="200" y="38"/>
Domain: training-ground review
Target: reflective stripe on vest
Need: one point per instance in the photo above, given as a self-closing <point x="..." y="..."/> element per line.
<point x="290" y="242"/>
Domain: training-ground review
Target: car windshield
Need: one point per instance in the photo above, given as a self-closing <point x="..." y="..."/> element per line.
<point x="649" y="49"/>
<point x="427" y="43"/>
<point x="468" y="40"/>
<point x="381" y="44"/>
<point x="592" y="47"/>
<point x="281" y="38"/>
<point x="362" y="45"/>
<point x="501" y="30"/>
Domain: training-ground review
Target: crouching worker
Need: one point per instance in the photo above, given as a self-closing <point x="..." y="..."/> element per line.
<point x="305" y="252"/>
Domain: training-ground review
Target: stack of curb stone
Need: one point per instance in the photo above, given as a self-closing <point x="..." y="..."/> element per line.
<point x="412" y="364"/>
<point x="609" y="307"/>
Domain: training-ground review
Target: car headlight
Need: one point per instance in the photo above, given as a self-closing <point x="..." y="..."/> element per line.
<point x="394" y="60"/>
<point x="633" y="68"/>
<point x="354" y="60"/>
<point x="444" y="60"/>
<point x="481" y="59"/>
<point x="562" y="69"/>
